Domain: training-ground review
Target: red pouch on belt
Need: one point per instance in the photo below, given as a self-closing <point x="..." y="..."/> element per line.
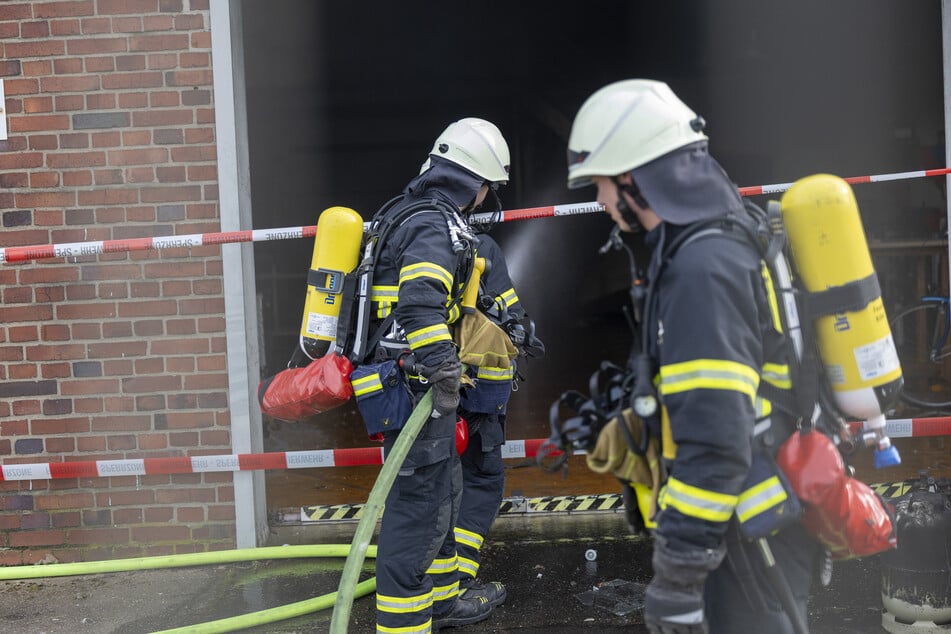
<point x="843" y="513"/>
<point x="296" y="393"/>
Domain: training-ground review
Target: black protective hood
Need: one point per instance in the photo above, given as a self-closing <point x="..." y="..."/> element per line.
<point x="687" y="185"/>
<point x="460" y="186"/>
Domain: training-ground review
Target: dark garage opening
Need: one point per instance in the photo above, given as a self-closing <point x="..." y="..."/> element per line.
<point x="345" y="100"/>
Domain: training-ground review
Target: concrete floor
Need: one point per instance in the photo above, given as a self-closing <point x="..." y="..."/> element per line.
<point x="541" y="559"/>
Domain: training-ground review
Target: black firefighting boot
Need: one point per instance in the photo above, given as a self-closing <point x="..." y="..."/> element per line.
<point x="493" y="591"/>
<point x="464" y="611"/>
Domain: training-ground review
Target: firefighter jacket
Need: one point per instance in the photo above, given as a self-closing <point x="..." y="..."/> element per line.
<point x="714" y="335"/>
<point x="419" y="276"/>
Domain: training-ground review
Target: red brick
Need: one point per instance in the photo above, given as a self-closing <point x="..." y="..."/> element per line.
<point x="169" y="42"/>
<point x="60" y="9"/>
<point x="189" y="78"/>
<point x="33" y="123"/>
<point x="38" y="68"/>
<point x="32" y="539"/>
<point x="14" y="87"/>
<point x="20" y="160"/>
<point x="133" y="100"/>
<point x="78" y="83"/>
<point x="16" y="11"/>
<point x="37" y="48"/>
<point x="64" y="500"/>
<point x="127" y="25"/>
<point x="99" y="535"/>
<point x="112" y="138"/>
<point x="76" y="159"/>
<point x="97" y="45"/>
<point x="101" y="64"/>
<point x="158" y="23"/>
<point x="46" y="199"/>
<point x="96" y="25"/>
<point x="43" y="141"/>
<point x="150" y="118"/>
<point x="69" y="103"/>
<point x="124" y="81"/>
<point x="65" y="27"/>
<point x="88" y="386"/>
<point x="77" y="178"/>
<point x="39" y="180"/>
<point x="101" y="101"/>
<point x="67" y="65"/>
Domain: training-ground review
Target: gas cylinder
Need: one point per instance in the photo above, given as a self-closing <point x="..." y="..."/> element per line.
<point x="916" y="592"/>
<point x="829" y="251"/>
<point x="336" y="251"/>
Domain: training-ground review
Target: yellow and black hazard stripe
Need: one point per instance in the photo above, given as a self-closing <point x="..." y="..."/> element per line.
<point x="514" y="505"/>
<point x="893" y="489"/>
<point x="334" y="512"/>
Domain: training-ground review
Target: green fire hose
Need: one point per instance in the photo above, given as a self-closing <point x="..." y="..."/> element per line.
<point x="371" y="511"/>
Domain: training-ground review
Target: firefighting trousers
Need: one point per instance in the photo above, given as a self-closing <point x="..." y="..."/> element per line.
<point x="416" y="561"/>
<point x="739" y="595"/>
<point x="483" y="478"/>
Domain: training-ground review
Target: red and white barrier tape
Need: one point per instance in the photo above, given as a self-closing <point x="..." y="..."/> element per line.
<point x="360" y="456"/>
<point x="76" y="249"/>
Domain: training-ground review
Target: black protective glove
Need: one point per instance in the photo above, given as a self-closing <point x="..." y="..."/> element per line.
<point x="445" y="381"/>
<point x="674" y="600"/>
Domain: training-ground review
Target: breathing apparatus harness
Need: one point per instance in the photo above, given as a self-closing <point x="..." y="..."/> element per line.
<point x="612" y="388"/>
<point x="353" y="339"/>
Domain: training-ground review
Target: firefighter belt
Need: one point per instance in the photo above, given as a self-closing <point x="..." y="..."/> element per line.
<point x="611" y="454"/>
<point x="482" y="343"/>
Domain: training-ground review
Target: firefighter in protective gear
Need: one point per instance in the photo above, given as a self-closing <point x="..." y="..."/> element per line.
<point x="418" y="280"/>
<point x="713" y="342"/>
<point x="484" y="406"/>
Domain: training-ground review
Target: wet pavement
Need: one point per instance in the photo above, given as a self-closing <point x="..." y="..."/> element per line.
<point x="552" y="587"/>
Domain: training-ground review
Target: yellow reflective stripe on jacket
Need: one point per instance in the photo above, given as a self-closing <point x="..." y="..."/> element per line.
<point x="771" y="296"/>
<point x="762" y="407"/>
<point x="508" y="297"/>
<point x="759" y="498"/>
<point x="366" y="384"/>
<point x="427" y="270"/>
<point x="777" y="374"/>
<point x="454" y="313"/>
<point x="711" y="374"/>
<point x="385" y="297"/>
<point x="403" y="605"/>
<point x="429" y="334"/>
<point x="696" y="502"/>
<point x="495" y="374"/>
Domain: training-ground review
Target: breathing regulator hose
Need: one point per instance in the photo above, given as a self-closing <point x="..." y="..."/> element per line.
<point x="371" y="511"/>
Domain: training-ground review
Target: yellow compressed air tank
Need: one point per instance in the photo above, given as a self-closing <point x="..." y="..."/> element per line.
<point x="829" y="251"/>
<point x="336" y="252"/>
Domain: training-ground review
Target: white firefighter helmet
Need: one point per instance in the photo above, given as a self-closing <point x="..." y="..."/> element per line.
<point x="625" y="125"/>
<point x="475" y="145"/>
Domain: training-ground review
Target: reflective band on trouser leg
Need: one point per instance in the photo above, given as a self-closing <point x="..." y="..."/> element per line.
<point x="445" y="582"/>
<point x="468" y="545"/>
<point x="696" y="502"/>
<point x="405" y="606"/>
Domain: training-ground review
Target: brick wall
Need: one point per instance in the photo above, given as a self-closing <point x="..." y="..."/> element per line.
<point x="122" y="355"/>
